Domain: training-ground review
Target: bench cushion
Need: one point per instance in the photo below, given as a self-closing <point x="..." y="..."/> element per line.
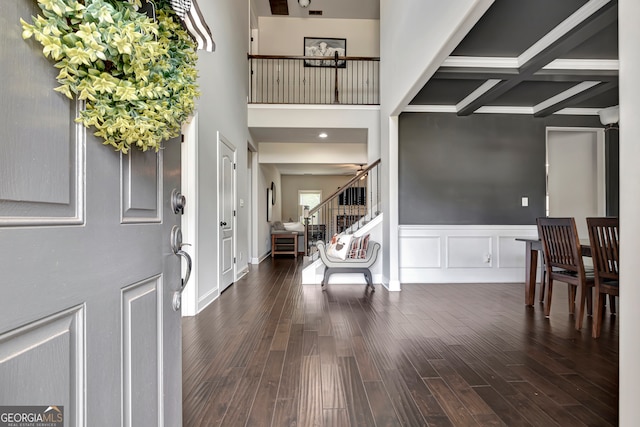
<point x="340" y="246"/>
<point x="332" y="262"/>
<point x="359" y="247"/>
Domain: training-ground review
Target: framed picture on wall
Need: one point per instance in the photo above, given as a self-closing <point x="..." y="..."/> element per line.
<point x="324" y="46"/>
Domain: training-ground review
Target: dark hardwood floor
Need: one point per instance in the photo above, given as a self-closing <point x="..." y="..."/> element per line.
<point x="272" y="352"/>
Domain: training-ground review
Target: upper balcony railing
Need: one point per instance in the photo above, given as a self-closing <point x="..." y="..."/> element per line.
<point x="347" y="80"/>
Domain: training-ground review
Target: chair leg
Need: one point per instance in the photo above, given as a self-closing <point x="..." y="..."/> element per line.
<point x="589" y="301"/>
<point x="543" y="284"/>
<point x="547" y="304"/>
<point x="612" y="304"/>
<point x="571" y="289"/>
<point x="597" y="317"/>
<point x="582" y="302"/>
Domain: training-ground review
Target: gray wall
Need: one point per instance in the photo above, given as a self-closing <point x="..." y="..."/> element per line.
<point x="475" y="169"/>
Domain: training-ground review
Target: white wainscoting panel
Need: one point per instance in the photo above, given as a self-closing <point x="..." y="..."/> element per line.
<point x="469" y="251"/>
<point x="510" y="252"/>
<point x="473" y="253"/>
<point x="421" y="251"/>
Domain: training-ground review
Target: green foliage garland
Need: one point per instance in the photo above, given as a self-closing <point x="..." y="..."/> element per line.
<point x="136" y="76"/>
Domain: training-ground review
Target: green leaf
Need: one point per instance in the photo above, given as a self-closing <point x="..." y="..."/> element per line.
<point x="137" y="76"/>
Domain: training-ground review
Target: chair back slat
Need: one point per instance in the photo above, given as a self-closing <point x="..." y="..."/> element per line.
<point x="561" y="243"/>
<point x="604" y="238"/>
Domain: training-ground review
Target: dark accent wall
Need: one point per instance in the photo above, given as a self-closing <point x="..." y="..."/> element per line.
<point x="474" y="169"/>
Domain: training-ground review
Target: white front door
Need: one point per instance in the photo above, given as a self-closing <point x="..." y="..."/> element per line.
<point x="227" y="212"/>
<point x="87" y="273"/>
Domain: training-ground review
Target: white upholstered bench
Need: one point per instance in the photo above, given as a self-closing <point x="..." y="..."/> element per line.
<point x="349" y="265"/>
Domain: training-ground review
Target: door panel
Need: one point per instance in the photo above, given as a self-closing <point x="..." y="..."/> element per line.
<point x="87" y="272"/>
<point x="141" y="352"/>
<point x="36" y="195"/>
<point x="45" y="358"/>
<point x="42" y="195"/>
<point x="140" y="173"/>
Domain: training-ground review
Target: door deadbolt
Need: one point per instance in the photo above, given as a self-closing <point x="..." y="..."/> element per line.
<point x="178" y="202"/>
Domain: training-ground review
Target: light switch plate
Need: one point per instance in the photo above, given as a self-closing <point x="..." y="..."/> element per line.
<point x="525" y="202"/>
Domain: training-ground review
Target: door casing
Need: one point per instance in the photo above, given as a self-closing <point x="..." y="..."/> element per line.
<point x="226" y="212"/>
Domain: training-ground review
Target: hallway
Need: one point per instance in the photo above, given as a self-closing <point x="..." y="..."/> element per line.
<point x="271" y="352"/>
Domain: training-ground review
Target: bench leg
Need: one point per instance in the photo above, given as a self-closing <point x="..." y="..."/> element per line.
<point x="367" y="276"/>
<point x="369" y="279"/>
<point x="325" y="279"/>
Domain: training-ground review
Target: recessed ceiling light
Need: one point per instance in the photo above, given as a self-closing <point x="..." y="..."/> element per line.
<point x="323" y="135"/>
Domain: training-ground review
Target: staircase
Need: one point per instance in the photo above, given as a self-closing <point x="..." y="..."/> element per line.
<point x="347" y="210"/>
<point x="354" y="209"/>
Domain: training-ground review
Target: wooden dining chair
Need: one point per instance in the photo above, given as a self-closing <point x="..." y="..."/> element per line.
<point x="603" y="236"/>
<point x="563" y="262"/>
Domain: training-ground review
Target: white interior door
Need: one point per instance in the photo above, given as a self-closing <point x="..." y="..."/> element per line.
<point x="575" y="175"/>
<point x="86" y="322"/>
<point x="249" y="205"/>
<point x="227" y="210"/>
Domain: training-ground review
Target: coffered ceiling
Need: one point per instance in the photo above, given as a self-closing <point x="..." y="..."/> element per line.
<point x="535" y="57"/>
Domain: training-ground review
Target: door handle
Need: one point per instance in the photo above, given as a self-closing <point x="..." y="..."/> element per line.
<point x="177" y="295"/>
<point x="176" y="247"/>
<point x="222" y="223"/>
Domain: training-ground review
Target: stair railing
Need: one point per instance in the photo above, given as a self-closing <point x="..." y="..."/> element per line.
<point x="346" y="80"/>
<point x="345" y="211"/>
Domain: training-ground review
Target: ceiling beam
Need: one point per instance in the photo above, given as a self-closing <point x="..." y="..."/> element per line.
<point x="474" y="74"/>
<point x="486" y="86"/>
<point x="574" y="76"/>
<point x="549" y="106"/>
<point x="565" y="69"/>
<point x="572" y="98"/>
<point x="571" y="38"/>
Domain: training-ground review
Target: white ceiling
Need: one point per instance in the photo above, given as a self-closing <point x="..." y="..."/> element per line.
<point x="309" y="135"/>
<point x="317" y="169"/>
<point x="346" y="9"/>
